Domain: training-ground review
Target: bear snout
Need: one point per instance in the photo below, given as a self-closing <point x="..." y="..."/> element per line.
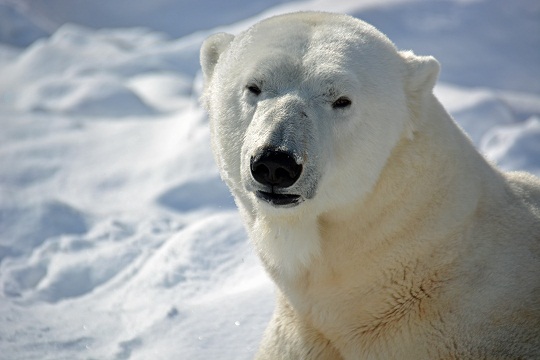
<point x="275" y="168"/>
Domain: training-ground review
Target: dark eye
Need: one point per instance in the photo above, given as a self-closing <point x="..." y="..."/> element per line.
<point x="341" y="103"/>
<point x="254" y="89"/>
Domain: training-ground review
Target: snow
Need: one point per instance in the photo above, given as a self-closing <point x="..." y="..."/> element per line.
<point x="16" y="29"/>
<point x="117" y="238"/>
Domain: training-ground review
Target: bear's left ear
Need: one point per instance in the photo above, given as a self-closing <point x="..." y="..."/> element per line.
<point x="422" y="71"/>
<point x="211" y="50"/>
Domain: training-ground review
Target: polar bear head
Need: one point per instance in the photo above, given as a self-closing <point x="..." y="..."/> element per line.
<point x="306" y="108"/>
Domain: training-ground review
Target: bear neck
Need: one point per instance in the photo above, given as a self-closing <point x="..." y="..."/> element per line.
<point x="403" y="236"/>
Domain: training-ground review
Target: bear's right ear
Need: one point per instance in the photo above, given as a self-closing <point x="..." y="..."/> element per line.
<point x="211" y="49"/>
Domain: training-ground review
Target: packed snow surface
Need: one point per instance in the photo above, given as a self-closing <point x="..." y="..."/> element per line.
<point x="117" y="238"/>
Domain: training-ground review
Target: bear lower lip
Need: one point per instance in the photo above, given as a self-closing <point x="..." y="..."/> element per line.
<point x="279" y="199"/>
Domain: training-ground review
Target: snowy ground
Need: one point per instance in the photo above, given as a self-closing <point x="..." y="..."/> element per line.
<point x="117" y="238"/>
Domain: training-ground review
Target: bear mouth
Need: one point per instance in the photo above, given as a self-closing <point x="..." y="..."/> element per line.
<point x="279" y="199"/>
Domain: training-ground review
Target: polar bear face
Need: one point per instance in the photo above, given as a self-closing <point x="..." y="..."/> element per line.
<point x="305" y="109"/>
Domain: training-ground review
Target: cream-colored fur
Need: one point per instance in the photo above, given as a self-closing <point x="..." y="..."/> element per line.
<point x="407" y="244"/>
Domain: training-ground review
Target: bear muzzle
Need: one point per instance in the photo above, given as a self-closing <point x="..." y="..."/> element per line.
<point x="274" y="171"/>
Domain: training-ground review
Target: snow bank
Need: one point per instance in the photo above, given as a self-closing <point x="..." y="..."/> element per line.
<point x="82" y="72"/>
<point x="511" y="146"/>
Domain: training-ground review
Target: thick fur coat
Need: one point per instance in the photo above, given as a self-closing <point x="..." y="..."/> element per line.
<point x="387" y="234"/>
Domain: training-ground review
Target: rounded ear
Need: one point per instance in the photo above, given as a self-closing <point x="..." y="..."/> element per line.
<point x="211" y="50"/>
<point x="422" y="71"/>
<point x="420" y="77"/>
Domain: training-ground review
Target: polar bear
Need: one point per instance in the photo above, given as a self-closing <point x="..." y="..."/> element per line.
<point x="387" y="234"/>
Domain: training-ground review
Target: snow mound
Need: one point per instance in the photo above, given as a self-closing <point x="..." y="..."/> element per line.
<point x="197" y="194"/>
<point x="24" y="227"/>
<point x="510" y="145"/>
<point x="483" y="112"/>
<point x="93" y="96"/>
<point x="104" y="73"/>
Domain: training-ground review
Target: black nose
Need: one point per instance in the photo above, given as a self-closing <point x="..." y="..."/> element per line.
<point x="275" y="168"/>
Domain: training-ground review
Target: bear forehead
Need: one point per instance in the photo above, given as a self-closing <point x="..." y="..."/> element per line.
<point x="315" y="30"/>
<point x="321" y="49"/>
<point x="312" y="39"/>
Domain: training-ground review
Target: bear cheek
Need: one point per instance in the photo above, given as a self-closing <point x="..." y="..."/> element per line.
<point x="227" y="138"/>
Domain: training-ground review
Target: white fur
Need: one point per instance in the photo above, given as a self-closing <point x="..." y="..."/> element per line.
<point x="407" y="244"/>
